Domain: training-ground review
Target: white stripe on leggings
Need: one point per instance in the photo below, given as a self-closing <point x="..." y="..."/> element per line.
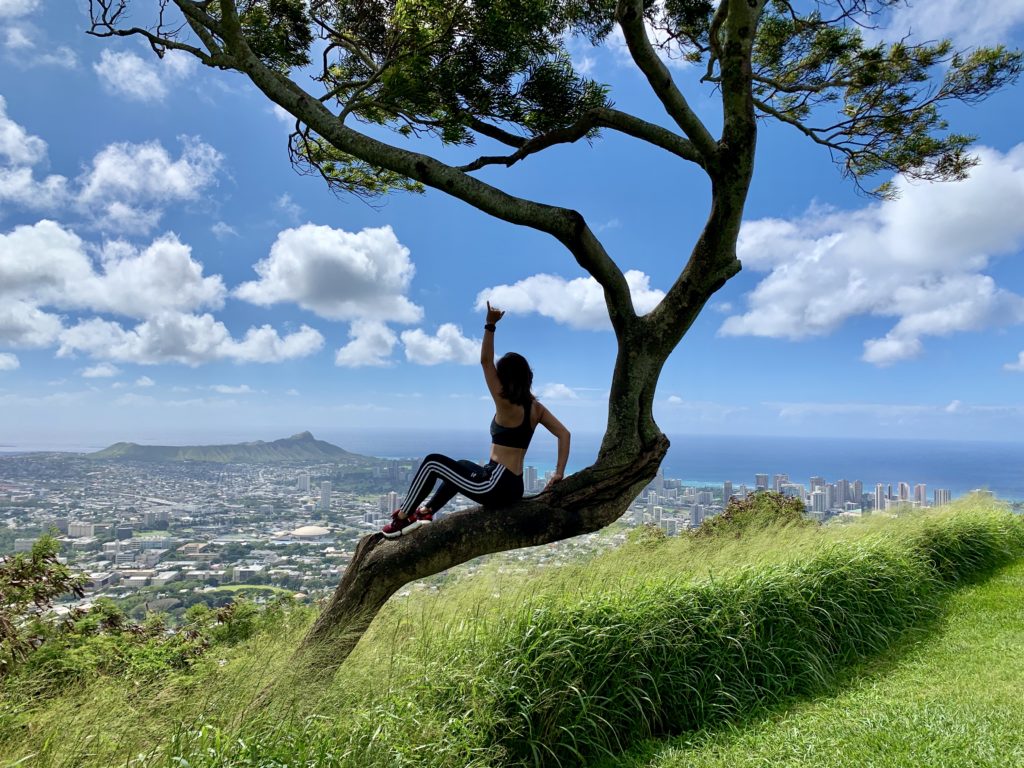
<point x="445" y="473"/>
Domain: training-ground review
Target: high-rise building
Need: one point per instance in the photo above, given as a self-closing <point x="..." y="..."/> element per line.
<point x="816" y="482"/>
<point x="325" y="495"/>
<point x="830" y="495"/>
<point x="706" y="498"/>
<point x="777" y="481"/>
<point x="818" y="501"/>
<point x="761" y="482"/>
<point x="726" y="492"/>
<point x="880" y="496"/>
<point x="921" y="494"/>
<point x="122" y="532"/>
<point x="530" y="479"/>
<point x="857" y="491"/>
<point x="842" y="492"/>
<point x="941" y="496"/>
<point x="302" y="482"/>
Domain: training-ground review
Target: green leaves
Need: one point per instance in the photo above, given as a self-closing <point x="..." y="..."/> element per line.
<point x="888" y="96"/>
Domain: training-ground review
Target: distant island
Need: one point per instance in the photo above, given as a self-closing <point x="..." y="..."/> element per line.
<point x="300" y="447"/>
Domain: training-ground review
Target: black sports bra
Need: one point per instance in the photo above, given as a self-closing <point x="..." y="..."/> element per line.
<point x="514" y="437"/>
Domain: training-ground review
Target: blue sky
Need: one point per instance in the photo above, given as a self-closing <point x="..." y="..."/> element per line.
<point x="165" y="275"/>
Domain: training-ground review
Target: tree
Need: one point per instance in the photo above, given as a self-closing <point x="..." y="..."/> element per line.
<point x="29" y="583"/>
<point x="459" y="71"/>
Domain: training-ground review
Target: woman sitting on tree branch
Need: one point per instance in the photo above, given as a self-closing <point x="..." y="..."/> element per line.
<point x="500" y="481"/>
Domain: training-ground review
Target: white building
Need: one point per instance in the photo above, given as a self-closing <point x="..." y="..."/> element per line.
<point x="325" y="495"/>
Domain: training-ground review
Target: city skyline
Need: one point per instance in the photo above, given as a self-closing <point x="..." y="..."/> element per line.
<point x="157" y="268"/>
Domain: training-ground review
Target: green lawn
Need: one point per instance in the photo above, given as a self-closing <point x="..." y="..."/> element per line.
<point x="953" y="699"/>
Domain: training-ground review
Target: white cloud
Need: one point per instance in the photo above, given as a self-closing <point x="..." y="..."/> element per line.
<point x="292" y="393"/>
<point x="142" y="79"/>
<point x="674" y="400"/>
<point x="288" y="207"/>
<point x="448" y="345"/>
<point x="8" y="362"/>
<point x="17" y="39"/>
<point x="163" y="276"/>
<point x="138" y="176"/>
<point x="578" y="303"/>
<point x="20" y="187"/>
<point x="965" y="23"/>
<point x="12" y="9"/>
<point x="17" y="145"/>
<point x="125" y="73"/>
<point x="371" y="344"/>
<point x="47" y="265"/>
<point x="24" y="325"/>
<point x="337" y="274"/>
<point x="1017" y="366"/>
<point x="101" y="371"/>
<point x="918" y="259"/>
<point x="265" y="345"/>
<point x="188" y="339"/>
<point x="222" y="230"/>
<point x="556" y="391"/>
<point x="227" y="389"/>
<point x="144" y="381"/>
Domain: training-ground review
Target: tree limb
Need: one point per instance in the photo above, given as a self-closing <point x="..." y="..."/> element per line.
<point x="565" y="224"/>
<point x="599" y="117"/>
<point x="631" y="19"/>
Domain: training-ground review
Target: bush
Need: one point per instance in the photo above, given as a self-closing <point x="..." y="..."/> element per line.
<point x="756" y="512"/>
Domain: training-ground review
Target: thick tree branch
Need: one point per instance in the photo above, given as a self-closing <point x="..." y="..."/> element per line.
<point x="599" y="117"/>
<point x="567" y="225"/>
<point x="631" y="19"/>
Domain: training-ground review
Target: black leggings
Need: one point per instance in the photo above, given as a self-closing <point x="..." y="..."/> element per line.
<point x="492" y="485"/>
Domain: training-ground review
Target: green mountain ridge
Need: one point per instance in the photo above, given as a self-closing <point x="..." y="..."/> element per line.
<point x="300" y="447"/>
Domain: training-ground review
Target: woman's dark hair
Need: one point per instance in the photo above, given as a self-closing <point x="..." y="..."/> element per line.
<point x="516" y="378"/>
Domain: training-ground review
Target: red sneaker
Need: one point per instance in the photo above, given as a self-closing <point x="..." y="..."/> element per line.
<point x="399" y="525"/>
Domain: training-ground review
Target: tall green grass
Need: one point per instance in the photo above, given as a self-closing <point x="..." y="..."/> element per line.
<point x="559" y="666"/>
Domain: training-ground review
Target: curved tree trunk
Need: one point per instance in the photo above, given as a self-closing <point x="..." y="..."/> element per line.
<point x="584" y="502"/>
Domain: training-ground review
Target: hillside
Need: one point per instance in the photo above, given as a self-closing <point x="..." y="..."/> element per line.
<point x="879" y="643"/>
<point x="300" y="447"/>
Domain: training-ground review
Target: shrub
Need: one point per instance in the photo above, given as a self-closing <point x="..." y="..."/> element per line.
<point x="757" y="511"/>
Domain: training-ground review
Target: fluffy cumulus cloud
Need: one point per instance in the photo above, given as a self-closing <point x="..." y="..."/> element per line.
<point x="124" y="189"/>
<point x="337" y="274"/>
<point x="23" y="324"/>
<point x="8" y="362"/>
<point x="144" y="381"/>
<point x="371" y="344"/>
<point x="918" y="259"/>
<point x="147" y="79"/>
<point x="578" y="303"/>
<point x="448" y="345"/>
<point x="18" y="146"/>
<point x="126" y="183"/>
<point x="966" y="23"/>
<point x="47" y="265"/>
<point x="187" y="339"/>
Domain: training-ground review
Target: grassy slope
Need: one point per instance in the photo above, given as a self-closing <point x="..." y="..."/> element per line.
<point x="952" y="699"/>
<point x="422" y="688"/>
